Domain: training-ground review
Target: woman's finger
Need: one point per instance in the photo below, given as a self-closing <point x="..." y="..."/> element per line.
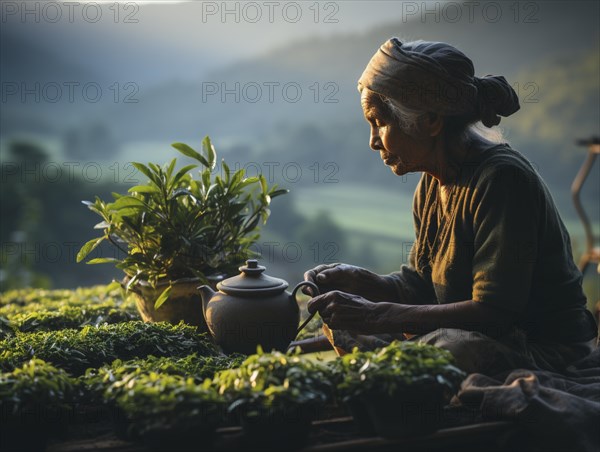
<point x="318" y="303"/>
<point x="333" y="274"/>
<point x="312" y="276"/>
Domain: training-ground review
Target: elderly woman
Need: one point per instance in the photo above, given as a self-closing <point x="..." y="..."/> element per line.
<point x="491" y="275"/>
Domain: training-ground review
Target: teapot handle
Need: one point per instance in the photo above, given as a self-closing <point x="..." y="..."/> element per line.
<point x="312" y="285"/>
<point x="316" y="292"/>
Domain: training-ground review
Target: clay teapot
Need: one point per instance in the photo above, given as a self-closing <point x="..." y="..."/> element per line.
<point x="251" y="309"/>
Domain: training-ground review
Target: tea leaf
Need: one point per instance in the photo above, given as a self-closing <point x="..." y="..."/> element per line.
<point x="182" y="172"/>
<point x="102" y="260"/>
<point x="210" y="151"/>
<point x="88" y="248"/>
<point x="189" y="152"/>
<point x="144" y="189"/>
<point x="162" y="298"/>
<point x="145" y="171"/>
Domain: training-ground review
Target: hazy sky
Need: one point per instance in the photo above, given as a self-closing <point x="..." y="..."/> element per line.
<point x="121" y="39"/>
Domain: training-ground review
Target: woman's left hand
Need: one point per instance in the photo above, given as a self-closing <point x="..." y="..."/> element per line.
<point x="345" y="311"/>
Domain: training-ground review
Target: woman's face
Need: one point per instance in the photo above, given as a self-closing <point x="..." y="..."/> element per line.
<point x="402" y="152"/>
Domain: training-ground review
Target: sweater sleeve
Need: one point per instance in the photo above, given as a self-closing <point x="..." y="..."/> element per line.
<point x="411" y="286"/>
<point x="506" y="207"/>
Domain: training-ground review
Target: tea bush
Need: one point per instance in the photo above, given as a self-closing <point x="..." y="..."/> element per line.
<point x="399" y="365"/>
<point x="76" y="350"/>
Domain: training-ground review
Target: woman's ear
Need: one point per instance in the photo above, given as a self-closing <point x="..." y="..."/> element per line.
<point x="432" y="124"/>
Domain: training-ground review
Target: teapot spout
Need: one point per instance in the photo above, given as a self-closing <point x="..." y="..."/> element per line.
<point x="206" y="293"/>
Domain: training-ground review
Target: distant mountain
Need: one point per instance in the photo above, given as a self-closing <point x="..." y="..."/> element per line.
<point x="539" y="51"/>
<point x="42" y="91"/>
<point x="510" y="48"/>
<point x="24" y="60"/>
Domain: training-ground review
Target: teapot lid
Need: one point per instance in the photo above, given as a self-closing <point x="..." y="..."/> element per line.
<point x="252" y="281"/>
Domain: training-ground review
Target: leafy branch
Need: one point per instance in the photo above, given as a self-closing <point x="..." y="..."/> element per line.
<point x="177" y="226"/>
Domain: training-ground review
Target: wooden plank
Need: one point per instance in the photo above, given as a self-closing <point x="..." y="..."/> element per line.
<point x="328" y="435"/>
<point x="443" y="437"/>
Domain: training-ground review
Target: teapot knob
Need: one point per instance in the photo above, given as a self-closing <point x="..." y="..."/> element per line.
<point x="252" y="268"/>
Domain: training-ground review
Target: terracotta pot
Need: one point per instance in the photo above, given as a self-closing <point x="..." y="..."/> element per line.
<point x="184" y="302"/>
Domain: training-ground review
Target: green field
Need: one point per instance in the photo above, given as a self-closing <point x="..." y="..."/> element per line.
<point x="361" y="209"/>
<point x="375" y="220"/>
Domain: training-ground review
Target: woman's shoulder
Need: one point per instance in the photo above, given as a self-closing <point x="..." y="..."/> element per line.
<point x="502" y="162"/>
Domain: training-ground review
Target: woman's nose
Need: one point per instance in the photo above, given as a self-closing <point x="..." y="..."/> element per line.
<point x="375" y="140"/>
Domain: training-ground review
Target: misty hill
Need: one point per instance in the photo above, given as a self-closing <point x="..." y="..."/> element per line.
<point x="180" y="109"/>
<point x="555" y="74"/>
<point x="42" y="89"/>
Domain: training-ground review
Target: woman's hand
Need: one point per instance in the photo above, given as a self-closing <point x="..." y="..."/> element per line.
<point x="350" y="279"/>
<point x="345" y="311"/>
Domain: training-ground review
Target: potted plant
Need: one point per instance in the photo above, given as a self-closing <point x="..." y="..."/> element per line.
<point x="176" y="232"/>
<point x="398" y="390"/>
<point x="275" y="396"/>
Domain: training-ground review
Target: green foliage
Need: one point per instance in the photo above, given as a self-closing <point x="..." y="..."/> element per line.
<point x="170" y="408"/>
<point x="161" y="396"/>
<point x="274" y="381"/>
<point x="33" y="387"/>
<point x="77" y="350"/>
<point x="6" y="330"/>
<point x="395" y="367"/>
<point x="23" y="301"/>
<point x="177" y="226"/>
<point x="70" y="317"/>
<point x="194" y="366"/>
<point x="28" y="310"/>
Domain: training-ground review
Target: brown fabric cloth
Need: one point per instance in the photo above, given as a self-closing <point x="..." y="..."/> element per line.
<point x="559" y="412"/>
<point x="476" y="352"/>
<point x="437" y="77"/>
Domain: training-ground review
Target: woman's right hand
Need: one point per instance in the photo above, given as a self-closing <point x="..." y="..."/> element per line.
<point x="350" y="279"/>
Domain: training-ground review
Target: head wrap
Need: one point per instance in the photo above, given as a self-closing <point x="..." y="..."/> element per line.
<point x="437" y="77"/>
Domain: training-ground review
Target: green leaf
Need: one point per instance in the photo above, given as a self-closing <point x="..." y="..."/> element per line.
<point x="128" y="202"/>
<point x="210" y="151"/>
<point x="88" y="248"/>
<point x="263" y="184"/>
<point x="279" y="192"/>
<point x="182" y="172"/>
<point x="144" y="170"/>
<point x="170" y="168"/>
<point x="144" y="189"/>
<point x="158" y="172"/>
<point x="188" y="151"/>
<point x="133" y="280"/>
<point x="237" y="178"/>
<point x="163" y="297"/>
<point x="226" y="170"/>
<point x="102" y="260"/>
<point x="183" y="192"/>
<point x="206" y="178"/>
